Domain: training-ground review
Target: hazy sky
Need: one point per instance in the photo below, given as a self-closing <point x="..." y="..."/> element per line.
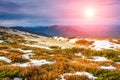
<point x="55" y="12"/>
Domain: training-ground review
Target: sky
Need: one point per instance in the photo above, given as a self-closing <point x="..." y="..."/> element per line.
<point x="58" y="12"/>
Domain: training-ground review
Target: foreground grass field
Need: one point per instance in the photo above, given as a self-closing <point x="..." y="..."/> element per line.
<point x="66" y="61"/>
<point x="22" y="58"/>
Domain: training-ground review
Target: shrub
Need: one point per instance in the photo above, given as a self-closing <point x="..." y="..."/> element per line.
<point x="55" y="47"/>
<point x="9" y="73"/>
<point x="76" y="77"/>
<point x="107" y="75"/>
<point x="84" y="42"/>
<point x="16" y="57"/>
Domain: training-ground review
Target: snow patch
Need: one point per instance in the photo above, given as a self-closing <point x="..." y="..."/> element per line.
<point x="28" y="56"/>
<point x="52" y="55"/>
<point x="41" y="62"/>
<point x="34" y="63"/>
<point x="73" y="40"/>
<point x="89" y="75"/>
<point x="37" y="46"/>
<point x="24" y="51"/>
<point x="99" y="59"/>
<point x="1" y="41"/>
<point x="108" y="67"/>
<point x="117" y="62"/>
<point x="60" y="38"/>
<point x="104" y="44"/>
<point x="5" y="59"/>
<point x="78" y="54"/>
<point x="84" y="57"/>
<point x="17" y="78"/>
<point x="115" y="40"/>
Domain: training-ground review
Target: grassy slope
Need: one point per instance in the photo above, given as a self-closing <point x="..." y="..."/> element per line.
<point x="66" y="62"/>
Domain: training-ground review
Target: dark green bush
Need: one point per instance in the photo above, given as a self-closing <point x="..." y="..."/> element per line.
<point x="9" y="73"/>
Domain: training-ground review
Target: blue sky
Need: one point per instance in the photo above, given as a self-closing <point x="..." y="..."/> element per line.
<point x="57" y="12"/>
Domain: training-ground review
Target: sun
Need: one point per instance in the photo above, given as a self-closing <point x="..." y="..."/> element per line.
<point x="89" y="12"/>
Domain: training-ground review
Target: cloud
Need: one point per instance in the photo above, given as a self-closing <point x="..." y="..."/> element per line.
<point x="55" y="11"/>
<point x="113" y="2"/>
<point x="8" y="6"/>
<point x="12" y="16"/>
<point x="26" y="22"/>
<point x="11" y="22"/>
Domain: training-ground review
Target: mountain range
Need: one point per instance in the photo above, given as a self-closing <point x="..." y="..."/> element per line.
<point x="93" y="31"/>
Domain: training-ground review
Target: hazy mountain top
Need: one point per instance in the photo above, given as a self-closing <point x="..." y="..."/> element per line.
<point x="86" y="31"/>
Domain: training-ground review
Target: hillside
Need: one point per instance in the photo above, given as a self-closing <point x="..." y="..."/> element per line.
<point x="90" y="31"/>
<point x="33" y="57"/>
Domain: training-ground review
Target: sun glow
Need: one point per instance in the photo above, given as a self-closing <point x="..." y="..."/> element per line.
<point x="89" y="12"/>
